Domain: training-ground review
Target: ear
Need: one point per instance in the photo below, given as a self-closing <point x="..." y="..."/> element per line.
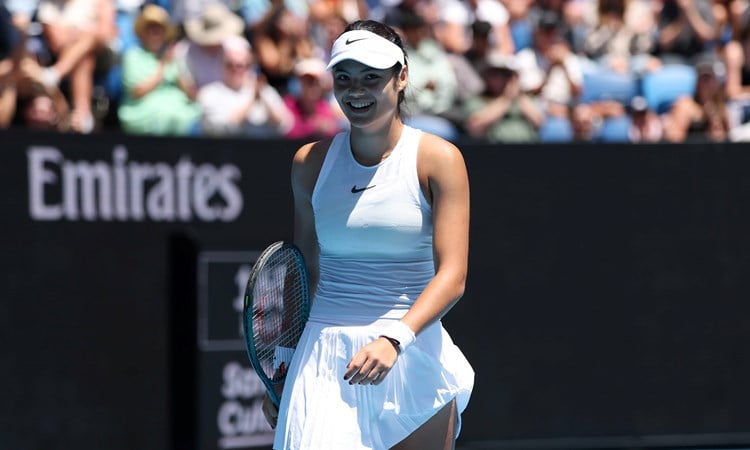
<point x="403" y="79"/>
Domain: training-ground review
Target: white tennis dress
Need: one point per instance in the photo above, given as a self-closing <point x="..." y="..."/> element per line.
<point x="374" y="227"/>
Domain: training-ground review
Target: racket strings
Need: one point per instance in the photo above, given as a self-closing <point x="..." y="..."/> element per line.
<point x="280" y="308"/>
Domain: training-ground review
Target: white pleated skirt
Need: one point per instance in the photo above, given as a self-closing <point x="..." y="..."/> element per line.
<point x="321" y="411"/>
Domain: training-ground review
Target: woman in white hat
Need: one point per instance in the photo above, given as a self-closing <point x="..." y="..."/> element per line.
<point x="155" y="99"/>
<point x="382" y="217"/>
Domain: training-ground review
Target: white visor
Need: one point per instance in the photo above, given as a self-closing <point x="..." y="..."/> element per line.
<point x="367" y="48"/>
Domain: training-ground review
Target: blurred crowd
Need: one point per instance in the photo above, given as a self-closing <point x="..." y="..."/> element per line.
<point x="497" y="70"/>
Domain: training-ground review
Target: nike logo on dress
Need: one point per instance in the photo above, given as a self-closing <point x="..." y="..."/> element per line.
<point x="351" y="41"/>
<point x="356" y="190"/>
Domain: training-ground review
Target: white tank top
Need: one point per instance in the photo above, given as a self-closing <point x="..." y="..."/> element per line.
<point x="374" y="228"/>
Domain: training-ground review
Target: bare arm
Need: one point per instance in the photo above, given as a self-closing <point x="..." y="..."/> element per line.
<point x="150" y="83"/>
<point x="735" y="59"/>
<point x="442" y="167"/>
<point x="704" y="30"/>
<point x="8" y="96"/>
<point x="305" y="168"/>
<point x="106" y="25"/>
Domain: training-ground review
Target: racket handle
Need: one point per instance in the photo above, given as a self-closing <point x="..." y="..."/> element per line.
<point x="400" y="334"/>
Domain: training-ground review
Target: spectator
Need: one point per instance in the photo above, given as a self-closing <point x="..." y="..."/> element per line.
<point x="79" y="35"/>
<point x="456" y="17"/>
<point x="737" y="59"/>
<point x="279" y="42"/>
<point x="433" y="87"/>
<point x="314" y="113"/>
<point x="182" y="11"/>
<point x="521" y="22"/>
<point x="479" y="46"/>
<point x="685" y="28"/>
<point x="242" y="103"/>
<point x="43" y="108"/>
<point x="645" y="124"/>
<point x="23" y="100"/>
<point x="617" y="46"/>
<point x="576" y="19"/>
<point x="468" y="69"/>
<point x="201" y="52"/>
<point x="586" y="123"/>
<point x="704" y="116"/>
<point x="155" y="99"/>
<point x="503" y="113"/>
<point x="11" y="51"/>
<point x="259" y="14"/>
<point x="349" y="10"/>
<point x="737" y="12"/>
<point x="22" y="12"/>
<point x="552" y="73"/>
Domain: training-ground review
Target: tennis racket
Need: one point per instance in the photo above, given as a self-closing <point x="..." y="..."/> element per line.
<point x="277" y="303"/>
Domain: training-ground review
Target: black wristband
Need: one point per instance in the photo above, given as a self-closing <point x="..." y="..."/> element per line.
<point x="394" y="342"/>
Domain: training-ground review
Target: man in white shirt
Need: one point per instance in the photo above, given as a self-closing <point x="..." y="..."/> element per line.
<point x="242" y="103"/>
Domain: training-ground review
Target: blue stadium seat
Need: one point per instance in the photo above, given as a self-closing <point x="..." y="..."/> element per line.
<point x="615" y="129"/>
<point x="522" y="32"/>
<point x="556" y="129"/>
<point x="663" y="87"/>
<point x="608" y="85"/>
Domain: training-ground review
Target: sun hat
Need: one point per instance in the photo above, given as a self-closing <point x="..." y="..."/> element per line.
<point x="367" y="48"/>
<point x="153" y="14"/>
<point x="214" y="24"/>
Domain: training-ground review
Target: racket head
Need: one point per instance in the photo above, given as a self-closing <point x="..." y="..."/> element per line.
<point x="277" y="304"/>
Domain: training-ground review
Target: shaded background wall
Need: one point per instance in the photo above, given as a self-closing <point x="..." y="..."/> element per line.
<point x="606" y="305"/>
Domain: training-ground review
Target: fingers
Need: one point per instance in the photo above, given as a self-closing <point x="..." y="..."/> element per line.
<point x="371" y="364"/>
<point x="370" y="373"/>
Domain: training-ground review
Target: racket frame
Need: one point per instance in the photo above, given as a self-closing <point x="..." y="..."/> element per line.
<point x="247" y="318"/>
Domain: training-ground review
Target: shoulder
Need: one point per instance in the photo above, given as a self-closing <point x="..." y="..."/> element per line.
<point x="436" y="155"/>
<point x="307" y="163"/>
<point x="312" y="152"/>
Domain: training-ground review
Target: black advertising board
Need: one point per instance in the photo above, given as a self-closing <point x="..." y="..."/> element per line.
<point x="606" y="304"/>
<point x="230" y="392"/>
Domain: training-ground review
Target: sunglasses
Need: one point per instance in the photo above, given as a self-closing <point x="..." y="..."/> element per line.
<point x="236" y="66"/>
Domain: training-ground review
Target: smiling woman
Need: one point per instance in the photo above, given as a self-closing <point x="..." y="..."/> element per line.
<point x="382" y="217"/>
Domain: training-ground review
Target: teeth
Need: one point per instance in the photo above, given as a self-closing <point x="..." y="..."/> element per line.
<point x="356" y="104"/>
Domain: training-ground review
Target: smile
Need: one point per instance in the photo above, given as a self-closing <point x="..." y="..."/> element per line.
<point x="358" y="104"/>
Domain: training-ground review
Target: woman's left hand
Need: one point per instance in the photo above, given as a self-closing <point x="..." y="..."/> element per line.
<point x="372" y="363"/>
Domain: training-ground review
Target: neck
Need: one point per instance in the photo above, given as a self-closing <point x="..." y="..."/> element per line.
<point x="372" y="147"/>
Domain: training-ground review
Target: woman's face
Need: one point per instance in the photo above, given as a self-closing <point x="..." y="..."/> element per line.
<point x="367" y="96"/>
<point x="154" y="37"/>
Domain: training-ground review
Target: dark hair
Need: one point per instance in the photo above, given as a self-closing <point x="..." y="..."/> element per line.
<point x="390" y="34"/>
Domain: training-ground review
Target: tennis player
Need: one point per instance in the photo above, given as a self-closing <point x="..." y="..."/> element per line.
<point x="382" y="218"/>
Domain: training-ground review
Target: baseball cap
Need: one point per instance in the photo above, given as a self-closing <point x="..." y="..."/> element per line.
<point x="367" y="48"/>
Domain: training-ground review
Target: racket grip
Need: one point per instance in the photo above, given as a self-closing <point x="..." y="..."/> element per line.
<point x="400" y="333"/>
